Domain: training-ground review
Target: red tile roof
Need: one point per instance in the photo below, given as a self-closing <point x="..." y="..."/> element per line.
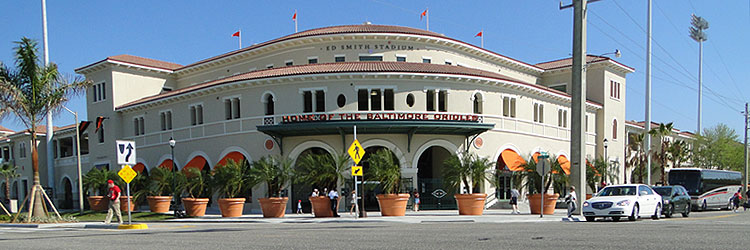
<point x="344" y="67"/>
<point x="568" y="62"/>
<point x="137" y="60"/>
<point x="4" y="129"/>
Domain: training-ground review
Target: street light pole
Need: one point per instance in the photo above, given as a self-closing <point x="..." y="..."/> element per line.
<point x="78" y="159"/>
<point x="606" y="161"/>
<point x="745" y="180"/>
<point x="172" y="143"/>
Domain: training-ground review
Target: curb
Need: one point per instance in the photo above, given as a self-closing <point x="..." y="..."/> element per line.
<point x="78" y="225"/>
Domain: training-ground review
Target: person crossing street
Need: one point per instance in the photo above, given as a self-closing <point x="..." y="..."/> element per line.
<point x="114" y="202"/>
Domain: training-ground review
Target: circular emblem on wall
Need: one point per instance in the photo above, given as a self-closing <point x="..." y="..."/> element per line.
<point x="439" y="193"/>
<point x="478" y="142"/>
<point x="269" y="144"/>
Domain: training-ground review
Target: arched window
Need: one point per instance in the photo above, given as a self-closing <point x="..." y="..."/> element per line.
<point x="614" y="129"/>
<point x="269" y="104"/>
<point x="477" y="103"/>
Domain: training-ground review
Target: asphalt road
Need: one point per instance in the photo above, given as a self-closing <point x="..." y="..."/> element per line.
<point x="703" y="230"/>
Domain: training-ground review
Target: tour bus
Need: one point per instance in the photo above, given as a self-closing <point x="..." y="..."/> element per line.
<point x="707" y="188"/>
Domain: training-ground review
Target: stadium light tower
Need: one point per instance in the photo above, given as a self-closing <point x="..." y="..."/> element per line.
<point x="698" y="25"/>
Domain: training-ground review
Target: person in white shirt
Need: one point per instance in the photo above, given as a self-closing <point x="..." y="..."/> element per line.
<point x="514" y="201"/>
<point x="571" y="200"/>
<point x="334" y="196"/>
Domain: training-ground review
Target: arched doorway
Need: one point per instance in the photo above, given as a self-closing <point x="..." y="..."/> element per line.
<point x="302" y="191"/>
<point x="371" y="187"/>
<point x="432" y="191"/>
<point x="237" y="157"/>
<point x="68" y="199"/>
<point x="507" y="164"/>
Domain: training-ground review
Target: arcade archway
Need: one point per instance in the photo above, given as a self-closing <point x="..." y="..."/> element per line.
<point x="432" y="191"/>
<point x="68" y="195"/>
<point x="372" y="188"/>
<point x="302" y="191"/>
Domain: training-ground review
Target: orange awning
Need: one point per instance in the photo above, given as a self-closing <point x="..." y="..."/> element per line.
<point x="166" y="164"/>
<point x="198" y="163"/>
<point x="236" y="156"/>
<point x="596" y="172"/>
<point x="512" y="160"/>
<point x="139" y="167"/>
<point x="535" y="156"/>
<point x="564" y="163"/>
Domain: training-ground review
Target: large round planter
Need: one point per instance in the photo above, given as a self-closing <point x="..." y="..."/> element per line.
<point x="98" y="203"/>
<point x="470" y="204"/>
<point x="231" y="207"/>
<point x="124" y="204"/>
<point x="159" y="204"/>
<point x="195" y="207"/>
<point x="550" y="200"/>
<point x="588" y="196"/>
<point x="393" y="204"/>
<point x="274" y="207"/>
<point x="321" y="206"/>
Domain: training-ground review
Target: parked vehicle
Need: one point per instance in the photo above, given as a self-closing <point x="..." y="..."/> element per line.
<point x="674" y="199"/>
<point x="707" y="188"/>
<point x="617" y="201"/>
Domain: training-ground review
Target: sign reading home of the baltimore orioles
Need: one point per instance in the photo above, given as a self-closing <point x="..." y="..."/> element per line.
<point x="381" y="116"/>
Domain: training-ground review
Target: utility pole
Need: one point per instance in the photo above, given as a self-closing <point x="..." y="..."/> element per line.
<point x="578" y="105"/>
<point x="647" y="124"/>
<point x="744" y="173"/>
<point x="50" y="130"/>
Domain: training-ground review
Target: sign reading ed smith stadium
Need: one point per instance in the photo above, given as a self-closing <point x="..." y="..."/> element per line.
<point x="384" y="116"/>
<point x="388" y="46"/>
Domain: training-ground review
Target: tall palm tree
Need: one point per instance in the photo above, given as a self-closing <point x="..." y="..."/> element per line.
<point x="31" y="90"/>
<point x="678" y="152"/>
<point x="662" y="132"/>
<point x="8" y="172"/>
<point x="635" y="155"/>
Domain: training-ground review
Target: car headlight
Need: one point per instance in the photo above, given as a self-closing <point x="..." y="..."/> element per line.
<point x="586" y="204"/>
<point x="666" y="201"/>
<point x="623" y="203"/>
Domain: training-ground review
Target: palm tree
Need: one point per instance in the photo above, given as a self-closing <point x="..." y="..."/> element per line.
<point x="275" y="172"/>
<point x="662" y="132"/>
<point x="635" y="155"/>
<point x="29" y="92"/>
<point x="322" y="170"/>
<point x="678" y="152"/>
<point x="8" y="172"/>
<point x="467" y="169"/>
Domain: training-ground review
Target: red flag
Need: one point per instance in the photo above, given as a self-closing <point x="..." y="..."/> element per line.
<point x="99" y="121"/>
<point x="83" y="126"/>
<point x="295" y="16"/>
<point x="479" y="34"/>
<point x="424" y="13"/>
<point x="237" y="34"/>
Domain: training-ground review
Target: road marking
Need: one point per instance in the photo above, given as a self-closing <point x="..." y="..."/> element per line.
<point x="709" y="218"/>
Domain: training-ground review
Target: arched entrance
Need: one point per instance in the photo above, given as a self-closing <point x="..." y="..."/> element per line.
<point x="507" y="163"/>
<point x="68" y="199"/>
<point x="432" y="191"/>
<point x="372" y="188"/>
<point x="302" y="191"/>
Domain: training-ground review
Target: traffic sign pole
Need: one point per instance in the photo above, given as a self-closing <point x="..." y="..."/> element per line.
<point x="130" y="217"/>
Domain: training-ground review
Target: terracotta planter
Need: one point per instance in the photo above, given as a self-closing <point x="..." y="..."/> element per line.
<point x="470" y="204"/>
<point x="321" y="206"/>
<point x="274" y="207"/>
<point x="393" y="204"/>
<point x="588" y="196"/>
<point x="159" y="204"/>
<point x="124" y="204"/>
<point x="231" y="207"/>
<point x="195" y="207"/>
<point x="550" y="200"/>
<point x="98" y="203"/>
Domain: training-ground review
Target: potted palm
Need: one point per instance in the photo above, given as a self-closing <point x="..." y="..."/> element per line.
<point x="322" y="171"/>
<point x="8" y="172"/>
<point x="159" y="191"/>
<point x="388" y="173"/>
<point x="231" y="181"/>
<point x="533" y="184"/>
<point x="95" y="184"/>
<point x="275" y="173"/>
<point x="196" y="185"/>
<point x="469" y="170"/>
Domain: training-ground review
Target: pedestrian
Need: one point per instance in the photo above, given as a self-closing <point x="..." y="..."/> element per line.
<point x="570" y="199"/>
<point x="747" y="202"/>
<point x="353" y="202"/>
<point x="114" y="202"/>
<point x="514" y="201"/>
<point x="315" y="193"/>
<point x="299" y="206"/>
<point x="736" y="198"/>
<point x="417" y="201"/>
<point x="334" y="196"/>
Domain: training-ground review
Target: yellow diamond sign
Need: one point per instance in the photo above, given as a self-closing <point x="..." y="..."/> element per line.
<point x="127" y="173"/>
<point x="357" y="171"/>
<point x="356" y="151"/>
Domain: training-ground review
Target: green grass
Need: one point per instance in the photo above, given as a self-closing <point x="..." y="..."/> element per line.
<point x="89" y="216"/>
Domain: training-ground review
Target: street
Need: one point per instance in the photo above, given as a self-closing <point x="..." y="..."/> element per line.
<point x="703" y="230"/>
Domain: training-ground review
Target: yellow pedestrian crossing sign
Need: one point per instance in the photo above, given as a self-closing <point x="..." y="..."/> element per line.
<point x="127" y="173"/>
<point x="357" y="171"/>
<point x="356" y="151"/>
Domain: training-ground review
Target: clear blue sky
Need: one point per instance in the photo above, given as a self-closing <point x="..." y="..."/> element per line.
<point x="532" y="31"/>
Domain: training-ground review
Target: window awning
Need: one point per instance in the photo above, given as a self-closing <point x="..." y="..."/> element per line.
<point x="166" y="164"/>
<point x="198" y="163"/>
<point x="139" y="167"/>
<point x="564" y="163"/>
<point x="235" y="156"/>
<point x="512" y="160"/>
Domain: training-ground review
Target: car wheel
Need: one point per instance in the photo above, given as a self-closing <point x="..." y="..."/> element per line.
<point x="615" y="219"/>
<point x="686" y="213"/>
<point x="634" y="215"/>
<point x="669" y="211"/>
<point x="704" y="207"/>
<point x="590" y="218"/>
<point x="657" y="213"/>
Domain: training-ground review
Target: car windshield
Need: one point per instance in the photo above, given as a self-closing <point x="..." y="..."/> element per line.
<point x="663" y="191"/>
<point x="617" y="191"/>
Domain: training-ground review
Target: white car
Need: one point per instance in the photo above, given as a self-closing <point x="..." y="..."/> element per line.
<point x="616" y="201"/>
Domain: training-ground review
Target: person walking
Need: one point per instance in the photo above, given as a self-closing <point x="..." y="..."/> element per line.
<point x="315" y="193"/>
<point x="114" y="203"/>
<point x="334" y="196"/>
<point x="570" y="199"/>
<point x="417" y="201"/>
<point x="514" y="201"/>
<point x="299" y="206"/>
<point x="747" y="201"/>
<point x="736" y="198"/>
<point x="353" y="202"/>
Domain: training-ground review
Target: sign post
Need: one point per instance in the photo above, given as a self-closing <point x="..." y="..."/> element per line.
<point x="127" y="174"/>
<point x="125" y="158"/>
<point x="357" y="152"/>
<point x="356" y="171"/>
<point x="542" y="159"/>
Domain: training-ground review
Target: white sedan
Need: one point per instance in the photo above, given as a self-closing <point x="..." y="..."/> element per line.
<point x="616" y="201"/>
